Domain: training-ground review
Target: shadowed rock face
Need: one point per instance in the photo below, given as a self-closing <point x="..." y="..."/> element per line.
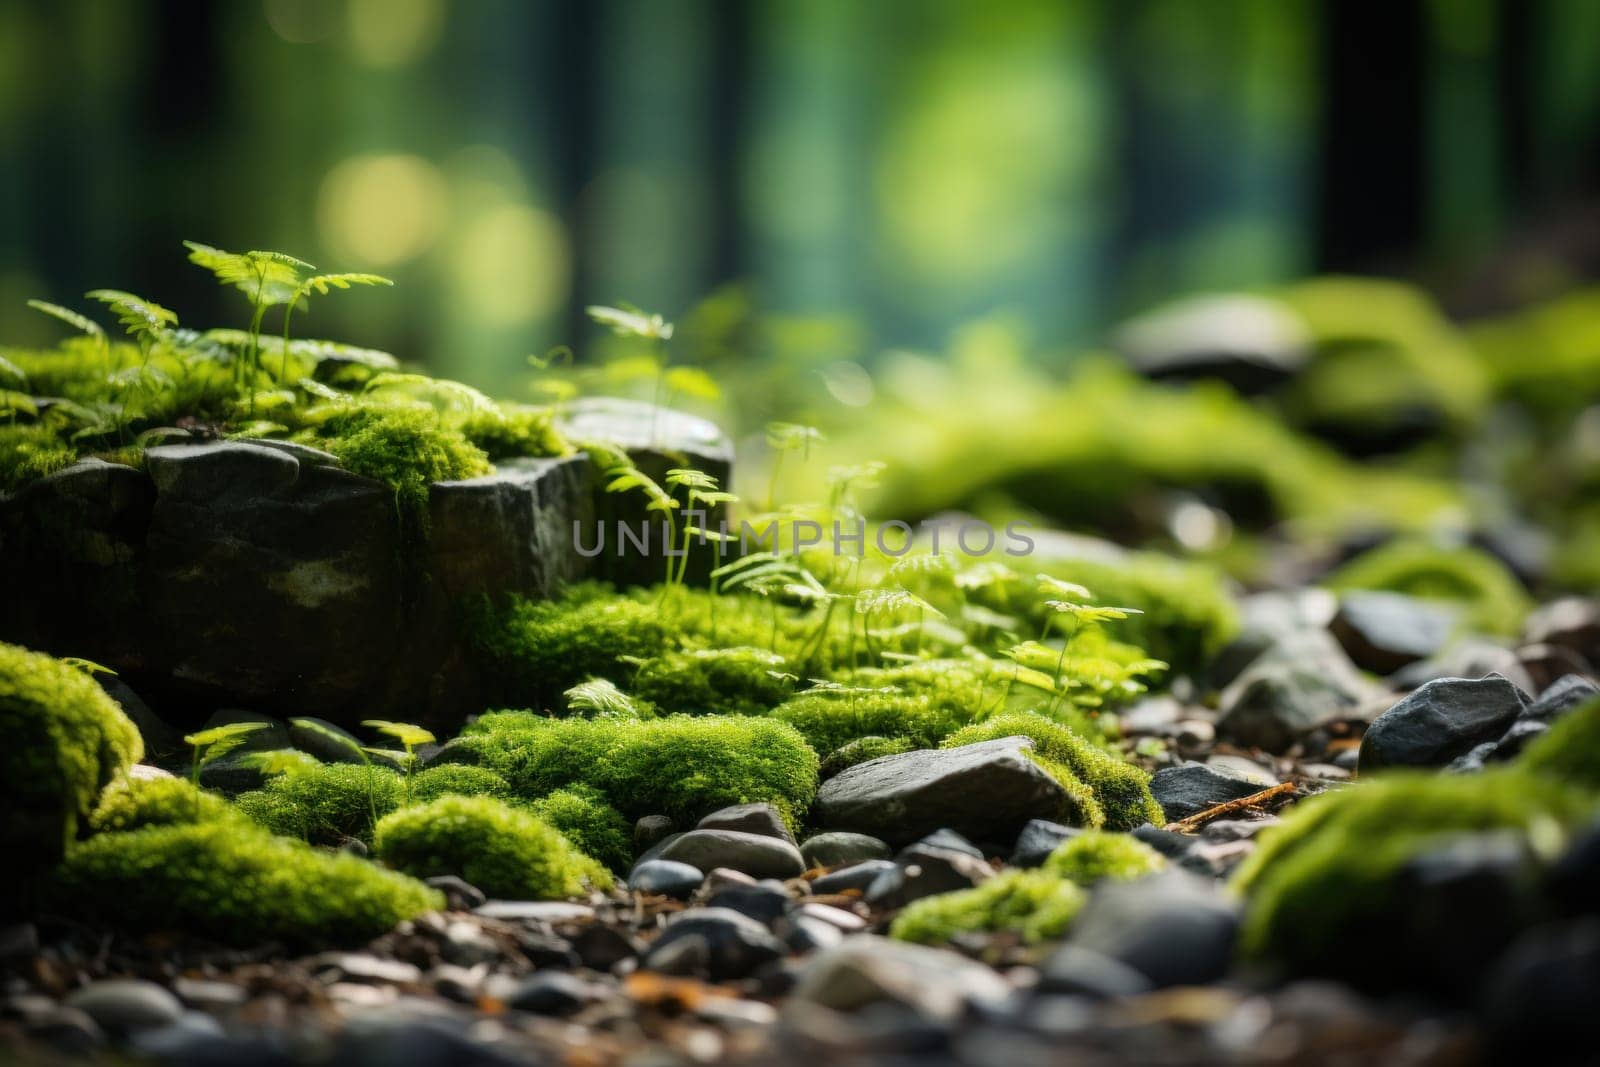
<point x="255" y="574"/>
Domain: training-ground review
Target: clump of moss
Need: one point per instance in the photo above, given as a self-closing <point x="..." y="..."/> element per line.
<point x="1087" y="858"/>
<point x="456" y="779"/>
<point x="1569" y="751"/>
<point x="29" y="451"/>
<point x="325" y="803"/>
<point x="722" y="681"/>
<point x="504" y="851"/>
<point x="1118" y="792"/>
<point x="133" y="803"/>
<point x="65" y="741"/>
<point x="830" y="718"/>
<point x="861" y="750"/>
<point x="404" y="447"/>
<point x="680" y="766"/>
<point x="584" y="817"/>
<point x="1490" y="597"/>
<point x="1323" y="885"/>
<point x="543" y="648"/>
<point x="229" y="881"/>
<point x="513" y="431"/>
<point x="1036" y="904"/>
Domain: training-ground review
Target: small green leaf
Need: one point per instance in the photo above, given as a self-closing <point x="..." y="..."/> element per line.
<point x="408" y="735"/>
<point x="630" y="322"/>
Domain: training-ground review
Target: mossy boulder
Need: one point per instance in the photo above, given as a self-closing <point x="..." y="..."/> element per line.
<point x="456" y="779"/>
<point x="505" y="851"/>
<point x="741" y="681"/>
<point x="228" y="881"/>
<point x="1087" y="858"/>
<point x="66" y="740"/>
<point x="684" y="767"/>
<point x="584" y="817"/>
<point x="1108" y="792"/>
<point x="134" y="803"/>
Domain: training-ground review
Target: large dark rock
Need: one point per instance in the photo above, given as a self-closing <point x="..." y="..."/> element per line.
<point x="1442" y="720"/>
<point x="986" y="792"/>
<point x="262" y="575"/>
<point x="753" y="854"/>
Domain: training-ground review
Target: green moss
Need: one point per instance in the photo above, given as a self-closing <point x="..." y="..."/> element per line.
<point x="504" y="851"/>
<point x="542" y="648"/>
<point x="683" y="767"/>
<point x="29" y="451"/>
<point x="584" y="818"/>
<point x="1322" y="885"/>
<point x="1087" y="858"/>
<point x="514" y="431"/>
<point x="1119" y="790"/>
<point x="1188" y="612"/>
<point x="325" y="803"/>
<point x="1036" y="904"/>
<point x="830" y="718"/>
<point x="134" y="803"/>
<point x="234" y="883"/>
<point x="456" y="779"/>
<point x="65" y="741"/>
<point x="1490" y="597"/>
<point x="405" y="448"/>
<point x="1569" y="751"/>
<point x="740" y="681"/>
<point x="861" y="750"/>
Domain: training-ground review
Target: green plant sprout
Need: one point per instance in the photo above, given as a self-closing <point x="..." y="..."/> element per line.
<point x="410" y="737"/>
<point x="701" y="488"/>
<point x="211" y="745"/>
<point x="598" y="698"/>
<point x="655" y="331"/>
<point x="79" y="322"/>
<point x="349" y="745"/>
<point x="783" y="438"/>
<point x="321" y="284"/>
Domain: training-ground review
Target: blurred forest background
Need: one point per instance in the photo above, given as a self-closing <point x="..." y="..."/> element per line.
<point x="862" y="174"/>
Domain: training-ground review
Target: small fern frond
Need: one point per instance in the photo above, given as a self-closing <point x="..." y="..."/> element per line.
<point x="600" y="699"/>
<point x="628" y="321"/>
<point x="141" y="318"/>
<point x="322" y="284"/>
<point x="265" y="277"/>
<point x="72" y="318"/>
<point x="793" y="437"/>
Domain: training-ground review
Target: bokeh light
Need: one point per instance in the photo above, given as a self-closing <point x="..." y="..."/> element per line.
<point x="382" y="210"/>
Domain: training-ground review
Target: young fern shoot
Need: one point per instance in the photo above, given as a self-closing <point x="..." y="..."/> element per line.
<point x="655" y="331"/>
<point x="320" y="284"/>
<point x="211" y="745"/>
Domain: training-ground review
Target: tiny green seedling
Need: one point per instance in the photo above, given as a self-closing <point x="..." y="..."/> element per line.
<point x="211" y="745"/>
<point x="410" y="738"/>
<point x="349" y="744"/>
<point x="598" y="698"/>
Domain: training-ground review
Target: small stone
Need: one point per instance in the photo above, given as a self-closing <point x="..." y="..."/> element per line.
<point x="1442" y="720"/>
<point x="1561" y="696"/>
<point x="1384" y="631"/>
<point x="840" y="848"/>
<point x="1171" y="927"/>
<point x="735" y="944"/>
<point x="856" y="877"/>
<point x="1079" y="971"/>
<point x="754" y="854"/>
<point x="326" y="741"/>
<point x="1038" y="839"/>
<point x="124" y="1005"/>
<point x="1252" y="343"/>
<point x="546" y="911"/>
<point x="209" y="995"/>
<point x="984" y="791"/>
<point x="1302" y="681"/>
<point x="366" y="967"/>
<point x="802" y="933"/>
<point x="459" y="894"/>
<point x="923" y="871"/>
<point x="554" y="993"/>
<point x="650" y="831"/>
<point x="1470" y="657"/>
<point x="847" y="921"/>
<point x="67" y="1030"/>
<point x="1194" y="787"/>
<point x="1547" y="664"/>
<point x="762" y="819"/>
<point x="465" y="944"/>
<point x="763" y="903"/>
<point x="1167" y="842"/>
<point x="948" y="840"/>
<point x="865" y="971"/>
<point x="601" y="947"/>
<point x="1571" y="622"/>
<point x="667" y="878"/>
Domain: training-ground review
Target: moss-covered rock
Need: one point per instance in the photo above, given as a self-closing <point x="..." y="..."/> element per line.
<point x="584" y="817"/>
<point x="681" y="766"/>
<point x="505" y="851"/>
<point x="514" y="430"/>
<point x="1036" y="904"/>
<point x="65" y="741"/>
<point x="1324" y="886"/>
<point x="325" y="803"/>
<point x="229" y="881"/>
<point x="1490" y="597"/>
<point x="1087" y="858"/>
<point x="1119" y="790"/>
<point x="740" y="681"/>
<point x="861" y="750"/>
<point x="1569" y="751"/>
<point x="403" y="447"/>
<point x="831" y="718"/>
